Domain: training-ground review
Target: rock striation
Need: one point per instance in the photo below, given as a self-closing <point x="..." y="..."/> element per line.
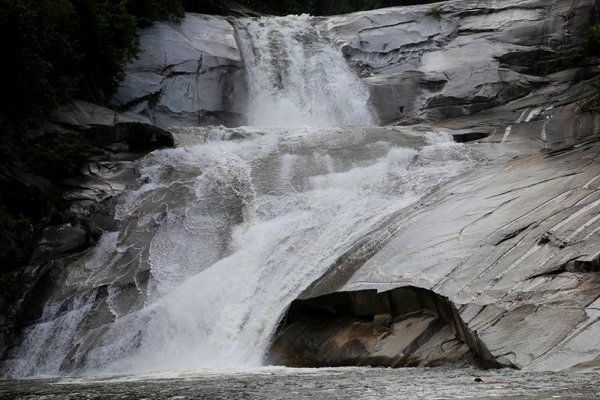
<point x="474" y="56"/>
<point x="518" y="257"/>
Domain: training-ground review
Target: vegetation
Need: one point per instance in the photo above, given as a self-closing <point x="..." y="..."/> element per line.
<point x="14" y="230"/>
<point x="58" y="159"/>
<point x="9" y="286"/>
<point x="57" y="50"/>
<point x="591" y="48"/>
<point x="591" y="40"/>
<point x="436" y="11"/>
<point x="592" y="104"/>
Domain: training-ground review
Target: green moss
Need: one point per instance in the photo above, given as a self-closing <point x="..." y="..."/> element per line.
<point x="591" y="48"/>
<point x="595" y="104"/>
<point x="592" y="104"/>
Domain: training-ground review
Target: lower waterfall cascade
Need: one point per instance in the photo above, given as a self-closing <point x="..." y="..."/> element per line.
<point x="219" y="238"/>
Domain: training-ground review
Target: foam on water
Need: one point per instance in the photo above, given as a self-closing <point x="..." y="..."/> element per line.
<point x="327" y="383"/>
<point x="227" y="234"/>
<point x="298" y="77"/>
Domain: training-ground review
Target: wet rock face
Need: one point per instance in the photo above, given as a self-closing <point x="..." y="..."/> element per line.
<point x="403" y="327"/>
<point x="514" y="246"/>
<point x="475" y="56"/>
<point x="186" y="75"/>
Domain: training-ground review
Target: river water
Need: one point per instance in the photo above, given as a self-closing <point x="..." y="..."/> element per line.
<point x="329" y="383"/>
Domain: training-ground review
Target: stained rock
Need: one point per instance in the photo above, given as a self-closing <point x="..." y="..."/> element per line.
<point x="402" y="327"/>
<point x="508" y="252"/>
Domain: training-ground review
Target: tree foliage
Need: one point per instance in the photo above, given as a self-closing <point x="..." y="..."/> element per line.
<point x="591" y="40"/>
<point x="37" y="47"/>
<point x="55" y="50"/>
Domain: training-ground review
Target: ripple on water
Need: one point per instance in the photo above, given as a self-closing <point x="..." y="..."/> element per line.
<point x="326" y="383"/>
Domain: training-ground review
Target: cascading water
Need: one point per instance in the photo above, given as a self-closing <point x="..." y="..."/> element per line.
<point x="297" y="77"/>
<point x="224" y="232"/>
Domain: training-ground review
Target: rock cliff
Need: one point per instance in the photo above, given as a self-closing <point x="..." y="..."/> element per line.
<point x="472" y="57"/>
<point x="512" y="246"/>
<point x="475" y="56"/>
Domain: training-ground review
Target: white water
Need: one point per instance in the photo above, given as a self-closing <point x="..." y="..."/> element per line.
<point x="298" y="77"/>
<point x="222" y="233"/>
<point x="236" y="230"/>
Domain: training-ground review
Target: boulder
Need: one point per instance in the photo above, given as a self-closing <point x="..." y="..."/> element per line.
<point x="105" y="127"/>
<point x="59" y="240"/>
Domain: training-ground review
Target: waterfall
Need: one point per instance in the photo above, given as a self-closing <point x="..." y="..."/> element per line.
<point x="222" y="233"/>
<point x="297" y="77"/>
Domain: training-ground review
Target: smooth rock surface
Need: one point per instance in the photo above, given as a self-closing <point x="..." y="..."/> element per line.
<point x="514" y="246"/>
<point x="476" y="55"/>
<point x="84" y="115"/>
<point x="186" y="75"/>
<point x="509" y="244"/>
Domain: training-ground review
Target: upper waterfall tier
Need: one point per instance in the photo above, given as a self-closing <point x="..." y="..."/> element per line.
<point x="410" y="66"/>
<point x="297" y="77"/>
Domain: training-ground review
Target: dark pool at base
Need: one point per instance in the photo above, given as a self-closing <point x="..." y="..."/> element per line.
<point x="334" y="383"/>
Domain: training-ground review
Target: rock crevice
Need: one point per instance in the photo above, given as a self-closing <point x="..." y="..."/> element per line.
<point x="403" y="327"/>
